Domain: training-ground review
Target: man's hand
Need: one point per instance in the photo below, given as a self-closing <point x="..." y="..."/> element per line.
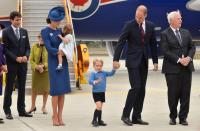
<point x="24" y="59"/>
<point x="4" y="68"/>
<point x="116" y="65"/>
<point x="185" y="61"/>
<point x="19" y="59"/>
<point x="155" y="67"/>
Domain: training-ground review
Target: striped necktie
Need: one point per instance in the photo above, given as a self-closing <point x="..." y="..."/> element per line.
<point x="178" y="37"/>
<point x="17" y="33"/>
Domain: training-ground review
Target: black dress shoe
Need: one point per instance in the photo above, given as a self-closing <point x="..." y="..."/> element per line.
<point x="183" y="122"/>
<point x="172" y="122"/>
<point x="25" y="114"/>
<point x="95" y="123"/>
<point x="140" y="121"/>
<point x="9" y="116"/>
<point x="1" y="121"/>
<point x="127" y="121"/>
<point x="102" y="123"/>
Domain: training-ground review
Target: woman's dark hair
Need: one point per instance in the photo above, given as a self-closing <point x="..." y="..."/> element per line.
<point x="14" y="14"/>
<point x="48" y="20"/>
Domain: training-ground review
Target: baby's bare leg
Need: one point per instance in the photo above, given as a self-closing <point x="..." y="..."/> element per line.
<point x="60" y="59"/>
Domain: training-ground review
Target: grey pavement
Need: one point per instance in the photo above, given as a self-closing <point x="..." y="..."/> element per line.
<point x="79" y="106"/>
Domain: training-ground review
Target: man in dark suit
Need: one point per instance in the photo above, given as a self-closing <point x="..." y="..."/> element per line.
<point x="139" y="34"/>
<point x="178" y="52"/>
<point x="17" y="50"/>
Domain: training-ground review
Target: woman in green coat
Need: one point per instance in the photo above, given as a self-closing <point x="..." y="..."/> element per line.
<point x="40" y="79"/>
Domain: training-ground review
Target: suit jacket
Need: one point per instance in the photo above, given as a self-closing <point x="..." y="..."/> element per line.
<point x="14" y="47"/>
<point x="136" y="50"/>
<point x="172" y="50"/>
<point x="2" y="56"/>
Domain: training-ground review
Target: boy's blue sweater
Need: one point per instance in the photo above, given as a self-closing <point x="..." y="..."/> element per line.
<point x="101" y="86"/>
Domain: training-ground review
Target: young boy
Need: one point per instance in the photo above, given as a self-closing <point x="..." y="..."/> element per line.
<point x="98" y="81"/>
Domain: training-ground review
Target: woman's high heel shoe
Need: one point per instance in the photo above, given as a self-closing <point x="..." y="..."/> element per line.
<point x="33" y="110"/>
<point x="55" y="121"/>
<point x="62" y="123"/>
<point x="44" y="111"/>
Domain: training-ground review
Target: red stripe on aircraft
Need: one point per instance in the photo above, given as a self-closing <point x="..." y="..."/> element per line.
<point x="104" y="1"/>
<point x="79" y="2"/>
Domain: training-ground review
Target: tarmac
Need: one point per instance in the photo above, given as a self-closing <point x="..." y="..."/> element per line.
<point x="79" y="106"/>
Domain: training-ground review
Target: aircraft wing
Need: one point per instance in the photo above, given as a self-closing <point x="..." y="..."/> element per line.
<point x="193" y="5"/>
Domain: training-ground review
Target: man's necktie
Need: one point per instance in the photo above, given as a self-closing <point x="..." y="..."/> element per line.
<point x="17" y="33"/>
<point x="142" y="33"/>
<point x="178" y="37"/>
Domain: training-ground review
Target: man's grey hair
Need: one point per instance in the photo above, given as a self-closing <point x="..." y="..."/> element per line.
<point x="171" y="15"/>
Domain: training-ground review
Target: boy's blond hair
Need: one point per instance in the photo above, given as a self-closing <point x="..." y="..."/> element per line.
<point x="67" y="29"/>
<point x="97" y="60"/>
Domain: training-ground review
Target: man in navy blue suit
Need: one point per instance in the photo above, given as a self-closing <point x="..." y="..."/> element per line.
<point x="17" y="50"/>
<point x="140" y="35"/>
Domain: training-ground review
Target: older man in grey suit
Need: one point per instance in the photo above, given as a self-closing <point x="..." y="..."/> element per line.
<point x="178" y="52"/>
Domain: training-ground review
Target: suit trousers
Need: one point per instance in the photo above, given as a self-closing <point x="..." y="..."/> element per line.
<point x="136" y="95"/>
<point x="20" y="72"/>
<point x="179" y="87"/>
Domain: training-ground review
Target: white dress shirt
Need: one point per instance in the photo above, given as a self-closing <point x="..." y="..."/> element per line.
<point x="144" y="26"/>
<point x="174" y="30"/>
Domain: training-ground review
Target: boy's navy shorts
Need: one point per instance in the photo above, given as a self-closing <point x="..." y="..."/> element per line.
<point x="99" y="96"/>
